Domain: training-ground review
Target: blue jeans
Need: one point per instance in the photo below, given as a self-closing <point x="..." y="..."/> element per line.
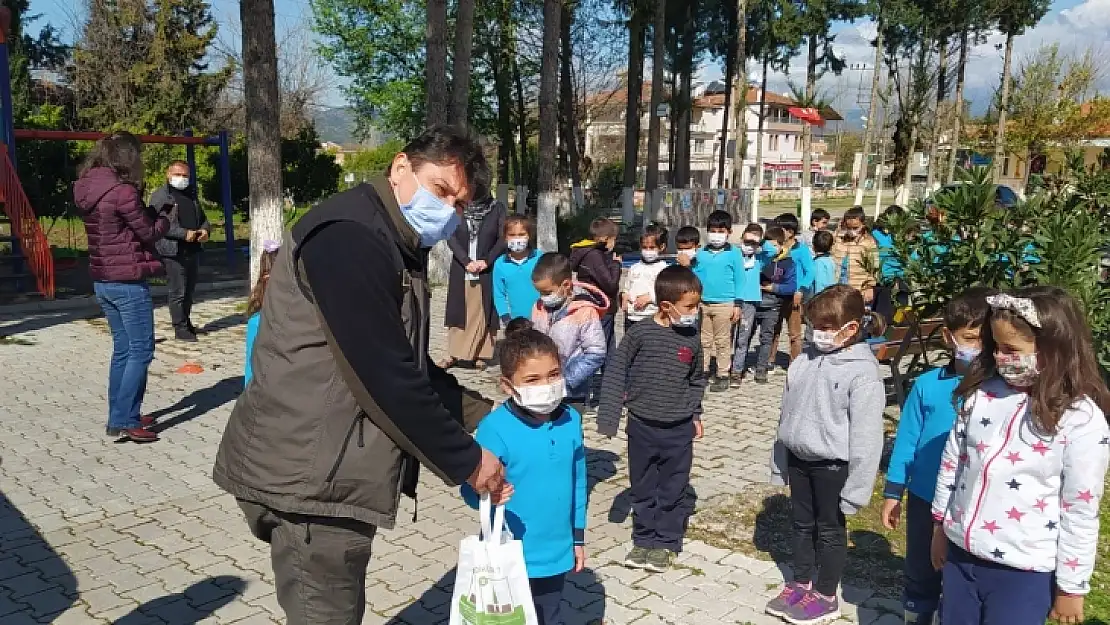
<point x="130" y="313"/>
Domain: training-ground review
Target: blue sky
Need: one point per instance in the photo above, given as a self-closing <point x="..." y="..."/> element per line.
<point x="1076" y="25"/>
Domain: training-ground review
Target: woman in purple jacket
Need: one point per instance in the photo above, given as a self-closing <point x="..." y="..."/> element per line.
<point x="122" y="231"/>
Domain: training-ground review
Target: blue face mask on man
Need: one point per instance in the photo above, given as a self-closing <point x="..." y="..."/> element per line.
<point x="433" y="219"/>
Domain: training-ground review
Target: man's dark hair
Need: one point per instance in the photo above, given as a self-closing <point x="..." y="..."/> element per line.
<point x="603" y="228"/>
<point x="446" y="145"/>
<point x="674" y="282"/>
<point x="788" y="221"/>
<point x="776" y="234"/>
<point x="687" y="235"/>
<point x="754" y="228"/>
<point x="719" y="219"/>
<point x="657" y="233"/>
<point x="122" y="152"/>
<point x="817" y="215"/>
<point x="856" y="212"/>
<point x="552" y="266"/>
<point x="822" y="241"/>
<point x="968" y="309"/>
<point x="177" y="163"/>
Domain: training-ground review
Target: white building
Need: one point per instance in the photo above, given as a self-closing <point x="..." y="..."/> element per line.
<point x="782" y="138"/>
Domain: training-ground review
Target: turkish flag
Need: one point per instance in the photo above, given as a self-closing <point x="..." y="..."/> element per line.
<point x="807" y="115"/>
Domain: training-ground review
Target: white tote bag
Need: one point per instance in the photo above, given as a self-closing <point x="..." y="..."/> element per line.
<point x="491" y="581"/>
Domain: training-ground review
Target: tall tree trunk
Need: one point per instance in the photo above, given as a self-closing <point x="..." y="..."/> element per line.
<point x="522" y="121"/>
<point x="682" y="147"/>
<point x="570" y="116"/>
<point x="726" y="119"/>
<point x="659" y="51"/>
<point x="501" y="64"/>
<point x="740" y="95"/>
<point x="807" y="134"/>
<point x="435" y="68"/>
<point x="635" y="80"/>
<point x="758" y="186"/>
<point x="263" y="114"/>
<point x="549" y="121"/>
<point x="460" y="74"/>
<point x="872" y="120"/>
<point x="942" y="94"/>
<point x="1004" y="101"/>
<point x="958" y="110"/>
<point x="672" y="119"/>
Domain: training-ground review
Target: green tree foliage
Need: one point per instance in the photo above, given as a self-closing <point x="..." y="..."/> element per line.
<point x="368" y="163"/>
<point x="1055" y="238"/>
<point x="143" y="67"/>
<point x="308" y="173"/>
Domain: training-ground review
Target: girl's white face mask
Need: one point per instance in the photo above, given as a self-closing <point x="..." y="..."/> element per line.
<point x="827" y="341"/>
<point x="542" y="398"/>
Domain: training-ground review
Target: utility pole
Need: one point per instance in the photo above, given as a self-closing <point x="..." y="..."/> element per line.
<point x="871" y="101"/>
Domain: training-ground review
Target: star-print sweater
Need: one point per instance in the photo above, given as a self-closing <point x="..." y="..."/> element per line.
<point x="1009" y="494"/>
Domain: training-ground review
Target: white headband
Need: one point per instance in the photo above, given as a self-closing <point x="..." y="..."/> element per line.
<point x="1022" y="306"/>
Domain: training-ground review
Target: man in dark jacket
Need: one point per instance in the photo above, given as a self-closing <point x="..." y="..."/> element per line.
<point x="344" y="404"/>
<point x="180" y="248"/>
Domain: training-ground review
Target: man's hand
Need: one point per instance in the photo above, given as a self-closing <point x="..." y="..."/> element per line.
<point x="641" y="302"/>
<point x="579" y="558"/>
<point x="489" y="476"/>
<point x="938" y="552"/>
<point x="735" y="314"/>
<point x="797" y="299"/>
<point x="202" y="236"/>
<point x="891" y="514"/>
<point x="1067" y="609"/>
<point x="502" y="495"/>
<point x="699" y="429"/>
<point x="190" y="235"/>
<point x="868" y="295"/>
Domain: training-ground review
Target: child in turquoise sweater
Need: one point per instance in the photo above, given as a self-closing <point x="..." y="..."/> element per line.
<point x="254" y="303"/>
<point x="539" y="440"/>
<point x="514" y="294"/>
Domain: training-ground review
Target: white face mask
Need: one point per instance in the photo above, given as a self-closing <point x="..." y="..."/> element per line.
<point x="649" y="256"/>
<point x="826" y="341"/>
<point x="685" y="321"/>
<point x="553" y="300"/>
<point x="517" y="245"/>
<point x="717" y="239"/>
<point x="750" y="249"/>
<point x="179" y="182"/>
<point x="542" y="398"/>
<point x="690" y="253"/>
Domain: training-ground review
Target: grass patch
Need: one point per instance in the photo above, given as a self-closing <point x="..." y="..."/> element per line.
<point x="15" y="340"/>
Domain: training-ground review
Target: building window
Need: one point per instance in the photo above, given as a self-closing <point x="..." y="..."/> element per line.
<point x="773" y="143"/>
<point x="1006" y="166"/>
<point x="699" y="146"/>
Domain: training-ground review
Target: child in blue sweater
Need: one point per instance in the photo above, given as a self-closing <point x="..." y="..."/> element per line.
<point x="778" y="282"/>
<point x="254" y="303"/>
<point x="927" y="418"/>
<point x="539" y="440"/>
<point x="514" y="294"/>
<point x="824" y="269"/>
<point x="720" y="268"/>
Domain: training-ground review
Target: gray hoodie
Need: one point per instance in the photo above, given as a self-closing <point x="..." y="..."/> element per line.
<point x="832" y="409"/>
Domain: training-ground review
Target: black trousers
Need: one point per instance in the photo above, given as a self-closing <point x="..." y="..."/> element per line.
<point x="921" y="595"/>
<point x="547" y="596"/>
<point x="659" y="459"/>
<point x="319" y="564"/>
<point x="820" y="532"/>
<point x="609" y="327"/>
<point x="181" y="276"/>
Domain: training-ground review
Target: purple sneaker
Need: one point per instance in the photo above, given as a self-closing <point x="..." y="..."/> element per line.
<point x="813" y="609"/>
<point x="791" y="593"/>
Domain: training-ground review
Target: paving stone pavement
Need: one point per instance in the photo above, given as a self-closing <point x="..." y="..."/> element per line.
<point x="97" y="532"/>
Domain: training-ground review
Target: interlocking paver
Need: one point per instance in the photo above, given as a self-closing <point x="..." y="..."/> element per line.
<point x="94" y="532"/>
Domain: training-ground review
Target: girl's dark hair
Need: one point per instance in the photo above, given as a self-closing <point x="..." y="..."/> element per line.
<point x="656" y="232"/>
<point x="754" y="229"/>
<point x="122" y="152"/>
<point x="524" y="342"/>
<point x="523" y="221"/>
<point x="840" y="304"/>
<point x="265" y="265"/>
<point x="1066" y="355"/>
<point x="882" y="224"/>
<point x="776" y="234"/>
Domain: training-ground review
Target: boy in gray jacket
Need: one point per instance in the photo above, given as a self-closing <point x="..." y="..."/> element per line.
<point x="830" y="440"/>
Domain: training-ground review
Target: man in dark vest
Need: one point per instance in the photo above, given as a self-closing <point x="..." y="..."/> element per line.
<point x="345" y="404"/>
<point x="180" y="248"/>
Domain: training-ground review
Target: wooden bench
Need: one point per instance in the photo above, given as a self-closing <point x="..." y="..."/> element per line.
<point x="913" y="340"/>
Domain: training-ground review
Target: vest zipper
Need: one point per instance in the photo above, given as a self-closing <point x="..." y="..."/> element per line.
<point x="346" y="440"/>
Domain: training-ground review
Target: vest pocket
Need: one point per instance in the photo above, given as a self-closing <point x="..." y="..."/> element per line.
<point x="358" y="422"/>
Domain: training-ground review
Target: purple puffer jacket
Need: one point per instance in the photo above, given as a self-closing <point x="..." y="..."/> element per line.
<point x="121" y="229"/>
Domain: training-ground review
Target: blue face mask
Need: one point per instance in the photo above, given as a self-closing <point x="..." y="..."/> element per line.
<point x="966" y="354"/>
<point x="432" y="218"/>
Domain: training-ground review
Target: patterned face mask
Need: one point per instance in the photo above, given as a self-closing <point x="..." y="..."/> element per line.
<point x="1019" y="370"/>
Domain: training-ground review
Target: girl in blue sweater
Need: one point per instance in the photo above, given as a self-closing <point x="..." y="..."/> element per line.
<point x="514" y="294"/>
<point x="539" y="440"/>
<point x="254" y="302"/>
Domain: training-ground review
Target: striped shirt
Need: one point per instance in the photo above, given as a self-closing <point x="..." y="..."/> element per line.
<point x="656" y="373"/>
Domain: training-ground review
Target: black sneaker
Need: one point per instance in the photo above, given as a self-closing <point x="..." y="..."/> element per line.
<point x="760" y="376"/>
<point x="719" y="385"/>
<point x="735" y="379"/>
<point x="184" y="335"/>
<point x="659" y="560"/>
<point x="637" y="558"/>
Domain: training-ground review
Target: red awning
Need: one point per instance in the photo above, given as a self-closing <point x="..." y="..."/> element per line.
<point x="791" y="166"/>
<point x="807" y="115"/>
